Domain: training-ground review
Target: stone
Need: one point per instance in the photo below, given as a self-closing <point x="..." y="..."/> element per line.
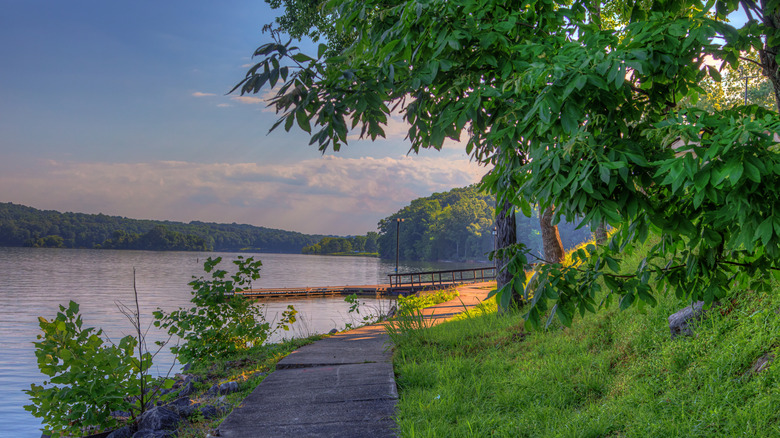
<point x="159" y="418"/>
<point x="122" y="432"/>
<point x="148" y="433"/>
<point x="186" y="367"/>
<point x="333" y="332"/>
<point x="121" y="414"/>
<point x="214" y="390"/>
<point x="228" y="387"/>
<point x="762" y="363"/>
<point x="187" y="390"/>
<point x="209" y="412"/>
<point x="180" y="406"/>
<point x="682" y="322"/>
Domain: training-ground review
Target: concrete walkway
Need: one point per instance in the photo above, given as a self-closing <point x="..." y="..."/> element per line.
<point x="340" y="386"/>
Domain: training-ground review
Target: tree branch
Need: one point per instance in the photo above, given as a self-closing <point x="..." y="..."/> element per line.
<point x="751" y="60"/>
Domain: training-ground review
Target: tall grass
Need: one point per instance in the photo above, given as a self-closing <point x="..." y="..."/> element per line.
<point x="612" y="374"/>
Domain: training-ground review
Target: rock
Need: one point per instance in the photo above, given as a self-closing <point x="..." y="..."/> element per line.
<point x="159" y="418"/>
<point x="120" y="414"/>
<point x="391" y="313"/>
<point x="148" y="433"/>
<point x="209" y="412"/>
<point x="122" y="432"/>
<point x="179" y="404"/>
<point x="681" y="323"/>
<point x="228" y="387"/>
<point x="333" y="332"/>
<point x="183" y="406"/>
<point x="186" y="367"/>
<point x="187" y="390"/>
<point x="214" y="390"/>
<point x="761" y="363"/>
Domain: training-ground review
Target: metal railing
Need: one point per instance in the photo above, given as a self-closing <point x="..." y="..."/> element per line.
<point x="433" y="278"/>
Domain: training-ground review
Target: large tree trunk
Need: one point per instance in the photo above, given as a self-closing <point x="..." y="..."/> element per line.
<point x="506" y="235"/>
<point x="767" y="56"/>
<point x="601" y="234"/>
<point x="551" y="239"/>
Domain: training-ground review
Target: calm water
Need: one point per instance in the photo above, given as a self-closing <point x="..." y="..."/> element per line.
<point x="35" y="281"/>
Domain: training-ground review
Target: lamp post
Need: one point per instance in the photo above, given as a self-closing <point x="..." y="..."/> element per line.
<point x="746" y="77"/>
<point x="397" y="240"/>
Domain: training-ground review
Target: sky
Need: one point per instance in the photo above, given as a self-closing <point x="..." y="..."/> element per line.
<point x="120" y="107"/>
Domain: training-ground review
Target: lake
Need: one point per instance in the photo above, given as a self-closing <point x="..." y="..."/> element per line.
<point x="35" y="281"/>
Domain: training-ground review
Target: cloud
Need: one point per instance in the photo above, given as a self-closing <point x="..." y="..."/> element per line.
<point x="251" y="100"/>
<point x="223" y="105"/>
<point x="200" y="94"/>
<point x="329" y="195"/>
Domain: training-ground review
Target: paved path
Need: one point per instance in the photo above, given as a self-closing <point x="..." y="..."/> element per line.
<point x="340" y="386"/>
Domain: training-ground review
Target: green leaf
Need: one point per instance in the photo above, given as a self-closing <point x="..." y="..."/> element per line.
<point x="736" y="172"/>
<point x="764" y="231"/>
<point x="626" y="301"/>
<point x="300" y="57"/>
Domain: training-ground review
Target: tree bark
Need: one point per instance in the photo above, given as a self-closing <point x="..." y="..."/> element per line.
<point x="551" y="239"/>
<point x="506" y="235"/>
<point x="601" y="234"/>
<point x="767" y="56"/>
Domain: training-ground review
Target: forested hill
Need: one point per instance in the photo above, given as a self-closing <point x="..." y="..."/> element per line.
<point x="27" y="226"/>
<point x="458" y="225"/>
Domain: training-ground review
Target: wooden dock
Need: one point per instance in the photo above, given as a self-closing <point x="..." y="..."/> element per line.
<point x="399" y="284"/>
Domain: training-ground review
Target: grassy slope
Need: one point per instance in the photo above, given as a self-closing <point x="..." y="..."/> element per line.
<point x="611" y="374"/>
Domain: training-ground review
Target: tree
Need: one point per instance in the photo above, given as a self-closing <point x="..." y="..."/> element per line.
<point x="572" y="110"/>
<point x="551" y="239"/>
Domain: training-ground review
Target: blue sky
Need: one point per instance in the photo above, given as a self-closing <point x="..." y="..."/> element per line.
<point x="119" y="107"/>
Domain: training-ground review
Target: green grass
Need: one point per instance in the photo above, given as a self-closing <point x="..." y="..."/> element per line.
<point x="612" y="374"/>
<point x="422" y="300"/>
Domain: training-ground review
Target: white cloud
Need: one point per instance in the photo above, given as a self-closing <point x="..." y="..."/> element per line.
<point x="330" y="195"/>
<point x="223" y="105"/>
<point x="200" y="94"/>
<point x="251" y="100"/>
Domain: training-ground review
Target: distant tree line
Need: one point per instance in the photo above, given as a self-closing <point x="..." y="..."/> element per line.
<point x="367" y="244"/>
<point x="27" y="226"/>
<point x="159" y="238"/>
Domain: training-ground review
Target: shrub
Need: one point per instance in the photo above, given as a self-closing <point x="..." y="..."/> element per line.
<point x="222" y="321"/>
<point x="87" y="378"/>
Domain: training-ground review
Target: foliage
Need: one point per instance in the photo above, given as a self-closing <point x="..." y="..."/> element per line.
<point x="344" y="245"/>
<point x="26" y="226"/>
<point x="159" y="238"/>
<point x="425" y="299"/>
<point x="222" y="321"/>
<point x="87" y="378"/>
<point x="574" y="109"/>
<point x="458" y="225"/>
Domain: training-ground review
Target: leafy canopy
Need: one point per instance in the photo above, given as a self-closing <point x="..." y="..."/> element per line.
<point x="575" y="105"/>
